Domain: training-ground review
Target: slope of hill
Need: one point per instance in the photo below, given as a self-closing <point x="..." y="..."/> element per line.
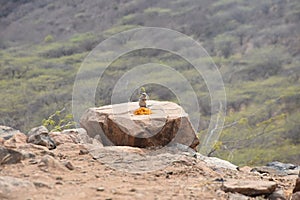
<point x="255" y="44"/>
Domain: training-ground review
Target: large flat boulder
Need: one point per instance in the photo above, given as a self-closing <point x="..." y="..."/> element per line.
<point x="250" y="187"/>
<point x="117" y="125"/>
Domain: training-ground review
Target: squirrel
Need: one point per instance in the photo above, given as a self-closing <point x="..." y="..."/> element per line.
<point x="142" y="100"/>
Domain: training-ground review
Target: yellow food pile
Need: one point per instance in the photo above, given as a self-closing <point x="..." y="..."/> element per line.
<point x="143" y="111"/>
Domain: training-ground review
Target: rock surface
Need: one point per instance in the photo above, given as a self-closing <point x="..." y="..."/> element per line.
<point x="74" y="136"/>
<point x="217" y="162"/>
<point x="250" y="188"/>
<point x="281" y="166"/>
<point x="10" y="187"/>
<point x="297" y="185"/>
<point x="10" y="156"/>
<point x="277" y="195"/>
<point x="273" y="170"/>
<point x="49" y="163"/>
<point x="117" y="125"/>
<point x="237" y="196"/>
<point x="296" y="196"/>
<point x="7" y="132"/>
<point x="40" y="136"/>
<point x="16" y="140"/>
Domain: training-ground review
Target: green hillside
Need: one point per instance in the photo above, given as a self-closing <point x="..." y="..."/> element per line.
<point x="255" y="44"/>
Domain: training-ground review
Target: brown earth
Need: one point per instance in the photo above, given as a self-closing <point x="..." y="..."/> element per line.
<point x="70" y="172"/>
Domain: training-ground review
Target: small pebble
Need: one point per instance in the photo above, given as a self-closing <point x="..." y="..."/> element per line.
<point x="100" y="189"/>
<point x="33" y="162"/>
<point x="40" y="185"/>
<point x="83" y="151"/>
<point x="113" y="191"/>
<point x="170" y="173"/>
<point x="219" y="180"/>
<point x="69" y="165"/>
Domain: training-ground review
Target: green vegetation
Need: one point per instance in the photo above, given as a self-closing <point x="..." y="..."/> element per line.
<point x="255" y="44"/>
<point x="157" y="10"/>
<point x="49" y="38"/>
<point x="59" y="121"/>
<point x="118" y="29"/>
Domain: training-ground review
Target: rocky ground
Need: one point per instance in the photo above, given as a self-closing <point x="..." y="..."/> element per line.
<point x="80" y="169"/>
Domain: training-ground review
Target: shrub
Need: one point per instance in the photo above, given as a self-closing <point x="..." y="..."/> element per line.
<point x="48" y="39"/>
<point x="61" y="51"/>
<point x="59" y="121"/>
